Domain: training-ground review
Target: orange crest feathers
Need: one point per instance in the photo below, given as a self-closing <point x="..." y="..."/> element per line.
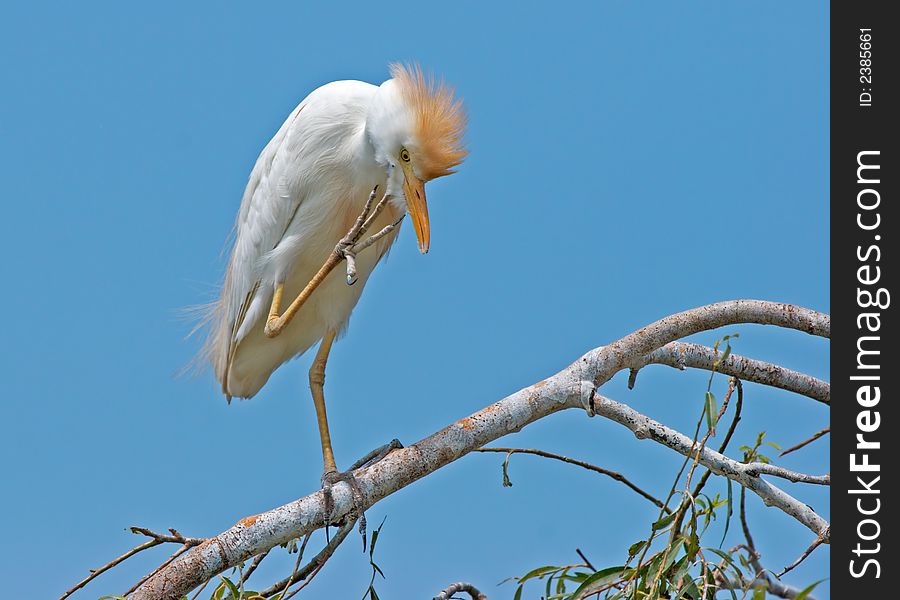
<point x="439" y="121"/>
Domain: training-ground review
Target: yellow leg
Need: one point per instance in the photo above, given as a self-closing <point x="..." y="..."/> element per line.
<point x="316" y="386"/>
<point x="278" y="321"/>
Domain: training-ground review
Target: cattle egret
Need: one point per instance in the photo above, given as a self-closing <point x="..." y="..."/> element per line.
<point x="308" y="203"/>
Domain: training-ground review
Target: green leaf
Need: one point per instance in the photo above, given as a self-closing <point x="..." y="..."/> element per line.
<point x="689" y="591"/>
<point x="725" y="354"/>
<point x="539" y="572"/>
<point x="518" y="594"/>
<point x="807" y="590"/>
<point x="375" y="535"/>
<point x="691" y="544"/>
<point x="636" y="547"/>
<point x="601" y="578"/>
<point x="666" y="520"/>
<point x="730" y="512"/>
<point x="672" y="555"/>
<point x="712" y="412"/>
<point x="232" y="589"/>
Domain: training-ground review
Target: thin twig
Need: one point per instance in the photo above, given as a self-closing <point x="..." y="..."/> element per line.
<point x="245" y="576"/>
<point x="315" y="563"/>
<point x="110" y="565"/>
<point x="738" y="406"/>
<point x="746" y="474"/>
<point x="306" y="582"/>
<point x="580" y="463"/>
<point x="165" y="564"/>
<point x="290" y="579"/>
<point x="585" y="559"/>
<point x="157" y="539"/>
<point x="810" y="440"/>
<point x="173" y="536"/>
<point x="744" y="526"/>
<point x="821" y="539"/>
<point x="200" y="590"/>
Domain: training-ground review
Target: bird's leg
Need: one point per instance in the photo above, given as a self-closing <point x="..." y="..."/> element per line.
<point x="329" y="479"/>
<point x="277" y="320"/>
<point x="331" y="475"/>
<point x="316" y="386"/>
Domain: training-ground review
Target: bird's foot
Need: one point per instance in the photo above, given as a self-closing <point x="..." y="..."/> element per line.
<point x="330" y="478"/>
<point x="350" y="245"/>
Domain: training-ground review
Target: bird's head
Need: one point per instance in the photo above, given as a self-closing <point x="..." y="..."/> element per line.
<point x="416" y="127"/>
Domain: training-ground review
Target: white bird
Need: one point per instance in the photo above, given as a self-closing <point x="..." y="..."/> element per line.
<point x="309" y="186"/>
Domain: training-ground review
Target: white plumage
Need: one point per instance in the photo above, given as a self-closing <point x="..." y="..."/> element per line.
<point x="306" y="190"/>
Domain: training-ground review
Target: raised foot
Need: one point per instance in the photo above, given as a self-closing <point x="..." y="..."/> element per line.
<point x="330" y="478"/>
<point x="352" y="243"/>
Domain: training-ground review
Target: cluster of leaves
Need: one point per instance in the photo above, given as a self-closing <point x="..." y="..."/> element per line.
<point x="672" y="562"/>
<point x="679" y="568"/>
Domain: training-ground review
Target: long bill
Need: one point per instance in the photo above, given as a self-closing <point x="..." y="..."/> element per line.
<point x="414" y="189"/>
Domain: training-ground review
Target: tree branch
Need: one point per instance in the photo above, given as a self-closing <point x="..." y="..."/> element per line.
<point x="316" y="563"/>
<point x="573" y="387"/>
<point x="461" y="587"/>
<point x="580" y="463"/>
<point x="681" y="354"/>
<point x="746" y="474"/>
<point x="809" y="440"/>
<point x="156" y="540"/>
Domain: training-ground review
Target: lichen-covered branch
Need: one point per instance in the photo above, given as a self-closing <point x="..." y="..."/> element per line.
<point x="461" y="586"/>
<point x="748" y="475"/>
<point x="573" y="387"/>
<point x="681" y="354"/>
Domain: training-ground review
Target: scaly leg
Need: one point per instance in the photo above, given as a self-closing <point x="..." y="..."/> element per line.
<point x="316" y="386"/>
<point x="347" y="248"/>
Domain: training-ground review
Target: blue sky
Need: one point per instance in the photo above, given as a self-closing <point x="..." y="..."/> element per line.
<point x="628" y="160"/>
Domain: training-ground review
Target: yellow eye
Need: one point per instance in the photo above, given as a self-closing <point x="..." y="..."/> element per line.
<point x="404" y="155"/>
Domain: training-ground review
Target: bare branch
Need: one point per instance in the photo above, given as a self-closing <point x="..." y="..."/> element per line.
<point x="680" y="355"/>
<point x="164" y="564"/>
<point x="316" y="563"/>
<point x="156" y="540"/>
<point x="580" y="463"/>
<point x="746" y="474"/>
<point x="253" y="566"/>
<point x="108" y="566"/>
<point x="809" y="440"/>
<point x="821" y="539"/>
<point x="628" y="351"/>
<point x="461" y="587"/>
<point x="771" y="585"/>
<point x="573" y="387"/>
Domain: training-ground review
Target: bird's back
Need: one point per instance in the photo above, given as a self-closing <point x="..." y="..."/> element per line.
<point x="304" y="192"/>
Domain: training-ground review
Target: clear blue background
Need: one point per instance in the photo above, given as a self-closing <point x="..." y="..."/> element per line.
<point x="629" y="160"/>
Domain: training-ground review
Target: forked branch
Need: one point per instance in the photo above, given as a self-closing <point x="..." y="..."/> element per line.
<point x="573" y="387"/>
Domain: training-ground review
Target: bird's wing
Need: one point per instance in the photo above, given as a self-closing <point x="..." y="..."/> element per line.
<point x="273" y="198"/>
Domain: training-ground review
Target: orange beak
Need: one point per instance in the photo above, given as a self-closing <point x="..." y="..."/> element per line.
<point x="418" y="208"/>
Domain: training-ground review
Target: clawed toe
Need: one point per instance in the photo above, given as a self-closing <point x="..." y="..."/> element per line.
<point x="332" y="477"/>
